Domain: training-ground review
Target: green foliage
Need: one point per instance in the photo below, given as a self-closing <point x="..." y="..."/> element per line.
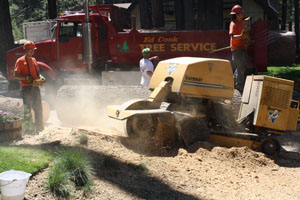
<point x="23" y="159"/>
<point x="289" y="11"/>
<point x="26" y="11"/>
<point x="58" y="181"/>
<point x="70" y="165"/>
<point x="7" y="116"/>
<point x="83" y="139"/>
<point x="142" y="167"/>
<point x="37" y="10"/>
<point x="286" y="72"/>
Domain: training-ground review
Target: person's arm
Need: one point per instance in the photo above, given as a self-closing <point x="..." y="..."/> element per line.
<point x="232" y="32"/>
<point x="149" y="73"/>
<point x="236" y="37"/>
<point x="20" y="76"/>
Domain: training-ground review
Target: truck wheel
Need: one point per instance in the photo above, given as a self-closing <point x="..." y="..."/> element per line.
<point x="270" y="146"/>
<point x="192" y="130"/>
<point x="141" y="126"/>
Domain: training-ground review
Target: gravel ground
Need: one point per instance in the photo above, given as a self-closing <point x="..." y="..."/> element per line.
<point x="202" y="171"/>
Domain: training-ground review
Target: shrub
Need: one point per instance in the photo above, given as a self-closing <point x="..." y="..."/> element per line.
<point x="58" y="181"/>
<point x="70" y="165"/>
<point x="142" y="167"/>
<point x="77" y="164"/>
<point x="83" y="139"/>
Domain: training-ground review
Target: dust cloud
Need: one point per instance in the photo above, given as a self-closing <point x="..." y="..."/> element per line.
<point x="86" y="105"/>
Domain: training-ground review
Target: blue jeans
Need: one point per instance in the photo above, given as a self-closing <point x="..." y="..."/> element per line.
<point x="240" y="60"/>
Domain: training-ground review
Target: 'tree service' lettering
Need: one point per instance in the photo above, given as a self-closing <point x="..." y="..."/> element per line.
<point x="162" y="44"/>
<point x="180" y="47"/>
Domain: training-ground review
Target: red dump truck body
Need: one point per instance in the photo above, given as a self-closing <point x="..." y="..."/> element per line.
<point x="64" y="52"/>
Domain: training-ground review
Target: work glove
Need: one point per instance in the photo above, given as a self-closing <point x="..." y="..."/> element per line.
<point x="29" y="78"/>
<point x="42" y="77"/>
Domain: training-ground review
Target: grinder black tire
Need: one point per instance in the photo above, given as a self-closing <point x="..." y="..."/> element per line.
<point x="270" y="146"/>
<point x="141" y="126"/>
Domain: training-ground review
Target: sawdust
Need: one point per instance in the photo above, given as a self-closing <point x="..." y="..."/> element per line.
<point x="202" y="171"/>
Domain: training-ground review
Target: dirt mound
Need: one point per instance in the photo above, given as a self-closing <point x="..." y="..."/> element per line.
<point x="243" y="156"/>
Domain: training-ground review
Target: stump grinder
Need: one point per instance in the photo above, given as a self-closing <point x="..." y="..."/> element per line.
<point x="194" y="96"/>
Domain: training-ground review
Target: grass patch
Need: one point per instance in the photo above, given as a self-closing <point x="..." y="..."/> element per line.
<point x="70" y="166"/>
<point x="286" y="72"/>
<point x="24" y="159"/>
<point x="59" y="181"/>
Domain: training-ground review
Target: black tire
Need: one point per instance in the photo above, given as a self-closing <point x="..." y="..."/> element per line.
<point x="192" y="130"/>
<point x="270" y="147"/>
<point x="141" y="126"/>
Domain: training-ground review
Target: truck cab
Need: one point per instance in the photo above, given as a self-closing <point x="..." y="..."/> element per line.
<point x="64" y="51"/>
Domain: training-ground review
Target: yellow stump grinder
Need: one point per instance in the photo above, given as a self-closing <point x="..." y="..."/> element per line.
<point x="195" y="95"/>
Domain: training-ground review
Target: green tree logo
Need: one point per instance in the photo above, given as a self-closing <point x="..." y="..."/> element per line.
<point x="124" y="48"/>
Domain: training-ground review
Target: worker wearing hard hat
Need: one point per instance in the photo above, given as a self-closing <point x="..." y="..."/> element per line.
<point x="238" y="44"/>
<point x="146" y="67"/>
<point x="27" y="70"/>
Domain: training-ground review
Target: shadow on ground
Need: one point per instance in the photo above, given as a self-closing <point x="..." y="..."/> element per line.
<point x="126" y="176"/>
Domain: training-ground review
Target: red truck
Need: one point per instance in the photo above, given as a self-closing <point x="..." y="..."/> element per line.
<point x="97" y="42"/>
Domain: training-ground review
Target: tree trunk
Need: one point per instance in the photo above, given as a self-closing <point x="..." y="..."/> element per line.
<point x="215" y="16"/>
<point x="202" y="17"/>
<point x="145" y="13"/>
<point x="296" y="4"/>
<point x="179" y="14"/>
<point x="210" y="19"/>
<point x="188" y="15"/>
<point x="283" y="17"/>
<point x="158" y="13"/>
<point x="6" y="36"/>
<point x="52" y="9"/>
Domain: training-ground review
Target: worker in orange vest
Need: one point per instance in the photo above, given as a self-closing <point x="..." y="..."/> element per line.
<point x="27" y="70"/>
<point x="239" y="43"/>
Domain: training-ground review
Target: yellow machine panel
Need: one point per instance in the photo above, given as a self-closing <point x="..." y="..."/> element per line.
<point x="293" y="115"/>
<point x="273" y="110"/>
<point x="196" y="77"/>
<point x="270" y="99"/>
